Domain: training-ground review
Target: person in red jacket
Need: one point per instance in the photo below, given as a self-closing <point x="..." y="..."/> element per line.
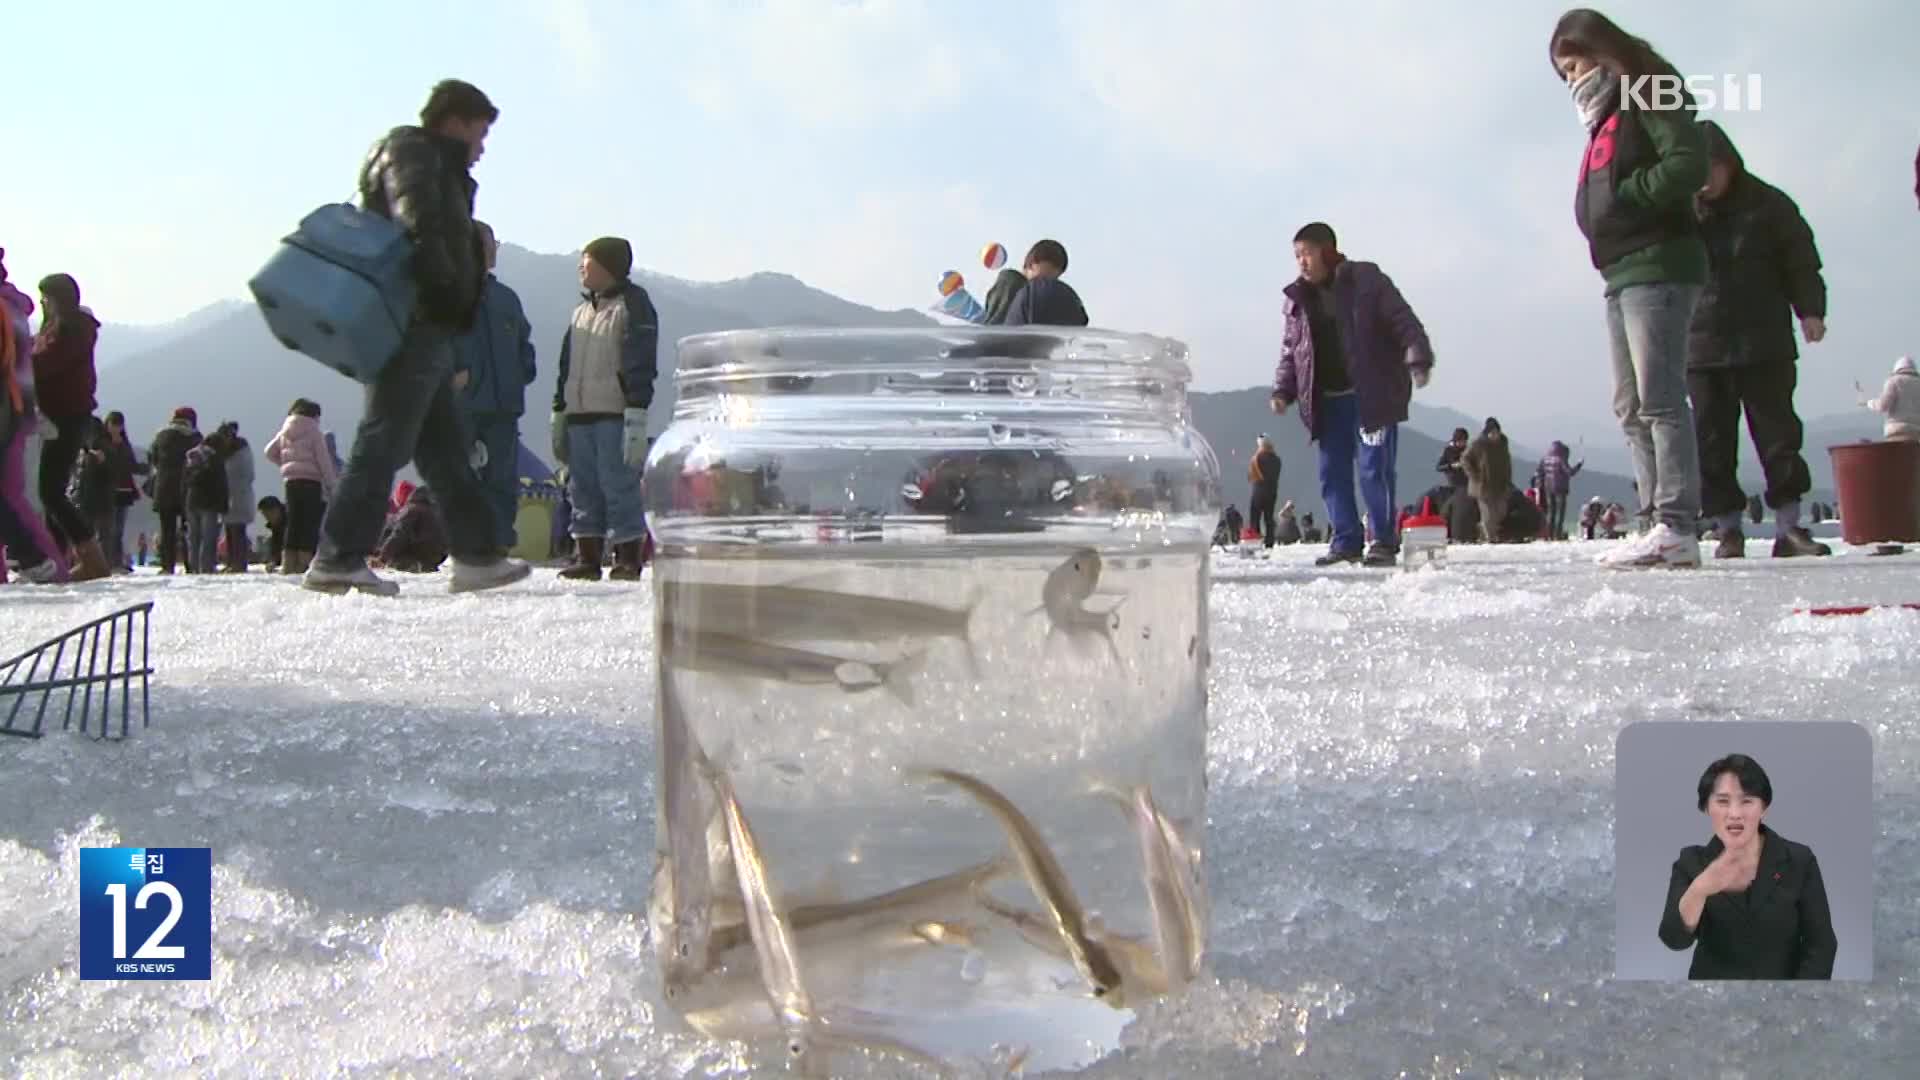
<point x="63" y="378"/>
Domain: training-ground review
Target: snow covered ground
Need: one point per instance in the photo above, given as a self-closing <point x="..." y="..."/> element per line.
<point x="432" y="824"/>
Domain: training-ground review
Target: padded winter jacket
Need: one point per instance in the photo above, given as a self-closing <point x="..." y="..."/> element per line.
<point x="300" y="451"/>
<point x="1763" y="271"/>
<point x="167" y="457"/>
<point x="419" y="179"/>
<point x="63" y="374"/>
<point x="1382" y="337"/>
<point x="496" y="354"/>
<point x="609" y="356"/>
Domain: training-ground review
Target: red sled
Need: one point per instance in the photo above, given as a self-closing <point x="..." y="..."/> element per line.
<point x="1860" y="609"/>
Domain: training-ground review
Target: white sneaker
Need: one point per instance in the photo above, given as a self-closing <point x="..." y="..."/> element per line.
<point x="1660" y="546"/>
<point x="474" y="577"/>
<point x="324" y="579"/>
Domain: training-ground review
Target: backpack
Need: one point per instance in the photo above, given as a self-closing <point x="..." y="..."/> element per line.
<point x="205" y="478"/>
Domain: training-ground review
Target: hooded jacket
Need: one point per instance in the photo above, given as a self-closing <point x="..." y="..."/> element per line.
<point x="1763" y="270"/>
<point x="1046" y="301"/>
<point x="300" y="451"/>
<point x="63" y="372"/>
<point x="1899" y="400"/>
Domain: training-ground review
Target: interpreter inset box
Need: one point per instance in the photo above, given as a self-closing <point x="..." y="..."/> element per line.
<point x="1743" y="850"/>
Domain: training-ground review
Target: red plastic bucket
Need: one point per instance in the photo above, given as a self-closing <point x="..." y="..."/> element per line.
<point x="1879" y="489"/>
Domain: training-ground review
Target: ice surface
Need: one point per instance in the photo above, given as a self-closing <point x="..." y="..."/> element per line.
<point x="432" y="822"/>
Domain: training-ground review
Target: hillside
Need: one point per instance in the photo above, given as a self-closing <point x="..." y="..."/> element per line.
<point x="222" y="362"/>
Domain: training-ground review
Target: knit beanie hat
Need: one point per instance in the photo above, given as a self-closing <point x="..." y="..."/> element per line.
<point x="614" y="255"/>
<point x="187" y="414"/>
<point x="1904" y="366"/>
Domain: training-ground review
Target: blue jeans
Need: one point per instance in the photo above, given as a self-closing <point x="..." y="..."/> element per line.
<point x="411" y="412"/>
<point x="1647" y="328"/>
<point x="1340" y="449"/>
<point x="500" y="434"/>
<point x="605" y="489"/>
<point x="203" y="541"/>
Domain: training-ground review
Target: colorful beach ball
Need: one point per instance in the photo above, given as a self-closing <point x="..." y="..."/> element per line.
<point x="994" y="256"/>
<point x="951" y="282"/>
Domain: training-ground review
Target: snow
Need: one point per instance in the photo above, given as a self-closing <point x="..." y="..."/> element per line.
<point x="431" y="820"/>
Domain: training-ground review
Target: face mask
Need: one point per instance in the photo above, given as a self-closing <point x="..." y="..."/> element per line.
<point x="1593" y="93"/>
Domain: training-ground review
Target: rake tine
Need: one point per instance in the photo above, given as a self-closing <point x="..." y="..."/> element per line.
<point x="60" y="650"/>
<point x="92" y="649"/>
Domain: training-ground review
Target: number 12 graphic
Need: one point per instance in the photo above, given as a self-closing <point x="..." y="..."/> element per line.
<point x="159" y="901"/>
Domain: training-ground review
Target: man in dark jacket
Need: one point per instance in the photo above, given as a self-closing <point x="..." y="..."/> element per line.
<point x="167" y="458"/>
<point x="1046" y="301"/>
<point x="1764" y="270"/>
<point x="419" y="177"/>
<point x="608" y="362"/>
<point x="1353" y="388"/>
<point x="493" y="367"/>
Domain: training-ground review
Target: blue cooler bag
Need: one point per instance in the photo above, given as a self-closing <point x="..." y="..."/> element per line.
<point x="340" y="290"/>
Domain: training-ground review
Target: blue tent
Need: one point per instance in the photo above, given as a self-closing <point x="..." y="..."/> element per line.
<point x="531" y="468"/>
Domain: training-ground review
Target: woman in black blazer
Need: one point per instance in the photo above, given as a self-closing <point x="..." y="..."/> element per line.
<point x="1750" y="902"/>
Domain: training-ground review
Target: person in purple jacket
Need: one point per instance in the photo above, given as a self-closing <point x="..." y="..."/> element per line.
<point x="1351" y="353"/>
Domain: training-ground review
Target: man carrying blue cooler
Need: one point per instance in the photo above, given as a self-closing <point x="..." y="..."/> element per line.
<point x="608" y="361"/>
<point x="493" y="366"/>
<point x="418" y="177"/>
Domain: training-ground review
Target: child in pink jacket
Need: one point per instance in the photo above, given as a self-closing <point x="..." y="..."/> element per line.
<point x="306" y="466"/>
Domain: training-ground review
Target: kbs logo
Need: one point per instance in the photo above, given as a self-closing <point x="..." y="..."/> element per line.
<point x="146" y="913"/>
<point x="1664" y="93"/>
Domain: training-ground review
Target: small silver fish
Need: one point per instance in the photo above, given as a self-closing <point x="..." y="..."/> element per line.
<point x="798" y="613"/>
<point x="1048" y="882"/>
<point x="767" y="925"/>
<point x="946" y="887"/>
<point x="1140" y="974"/>
<point x="1064" y="594"/>
<point x="683" y="882"/>
<point x="702" y="650"/>
<point x="1179" y="923"/>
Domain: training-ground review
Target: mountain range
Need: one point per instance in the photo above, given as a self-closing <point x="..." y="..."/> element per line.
<point x="222" y="361"/>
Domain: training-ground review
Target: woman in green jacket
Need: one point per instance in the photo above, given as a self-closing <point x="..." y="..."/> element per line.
<point x="1645" y="159"/>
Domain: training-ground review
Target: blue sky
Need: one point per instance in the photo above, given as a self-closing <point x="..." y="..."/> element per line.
<point x="866" y="147"/>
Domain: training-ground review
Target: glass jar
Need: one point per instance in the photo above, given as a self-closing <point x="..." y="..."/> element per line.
<point x="930" y="613"/>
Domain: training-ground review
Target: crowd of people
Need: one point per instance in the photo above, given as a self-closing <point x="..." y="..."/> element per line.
<point x="1707" y="269"/>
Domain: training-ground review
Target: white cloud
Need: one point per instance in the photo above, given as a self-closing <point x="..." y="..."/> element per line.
<point x="840" y="64"/>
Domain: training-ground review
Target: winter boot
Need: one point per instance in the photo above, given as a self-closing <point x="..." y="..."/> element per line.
<point x="1796" y="542"/>
<point x="1337" y="558"/>
<point x="627" y="561"/>
<point x="1379" y="555"/>
<point x="1733" y="545"/>
<point x="589" y="552"/>
<point x="92" y="563"/>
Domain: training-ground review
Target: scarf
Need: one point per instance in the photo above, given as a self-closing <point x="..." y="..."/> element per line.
<point x="1593" y="93"/>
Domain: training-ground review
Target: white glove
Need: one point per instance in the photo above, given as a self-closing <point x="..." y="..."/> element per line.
<point x="1374" y="437"/>
<point x="634" y="438"/>
<point x="478" y="458"/>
